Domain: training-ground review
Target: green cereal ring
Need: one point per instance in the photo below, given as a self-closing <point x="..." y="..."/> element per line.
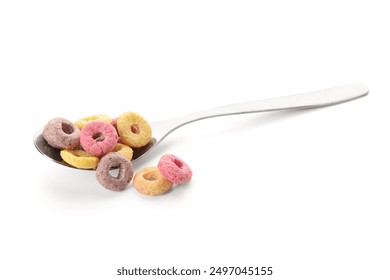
<point x="99" y="117"/>
<point x="79" y="159"/>
<point x="134" y="130"/>
<point x="124" y="150"/>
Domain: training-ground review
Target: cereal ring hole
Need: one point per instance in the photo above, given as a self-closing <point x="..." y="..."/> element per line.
<point x="149" y="176"/>
<point x="114" y="172"/>
<point x="67" y="128"/>
<point x="134" y="128"/>
<point x="98" y="137"/>
<point x="178" y="163"/>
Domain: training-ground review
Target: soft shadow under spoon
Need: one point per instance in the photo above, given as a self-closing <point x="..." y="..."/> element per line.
<point x="162" y="129"/>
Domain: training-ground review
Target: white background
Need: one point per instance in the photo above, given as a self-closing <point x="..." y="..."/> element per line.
<point x="304" y="192"/>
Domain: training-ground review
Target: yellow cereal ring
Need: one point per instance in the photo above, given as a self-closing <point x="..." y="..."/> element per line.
<point x="134" y="130"/>
<point x="150" y="181"/>
<point x="99" y="117"/>
<point x="124" y="150"/>
<point x="80" y="159"/>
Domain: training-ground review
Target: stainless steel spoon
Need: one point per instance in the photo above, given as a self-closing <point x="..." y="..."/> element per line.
<point x="162" y="129"/>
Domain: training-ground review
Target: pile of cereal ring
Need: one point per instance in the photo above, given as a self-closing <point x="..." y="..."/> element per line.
<point x="101" y="143"/>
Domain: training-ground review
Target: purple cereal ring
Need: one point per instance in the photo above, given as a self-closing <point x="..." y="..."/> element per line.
<point x="174" y="169"/>
<point x="98" y="138"/>
<point x="62" y="134"/>
<point x="114" y="160"/>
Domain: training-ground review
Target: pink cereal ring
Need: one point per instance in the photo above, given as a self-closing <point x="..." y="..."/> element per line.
<point x="98" y="138"/>
<point x="174" y="169"/>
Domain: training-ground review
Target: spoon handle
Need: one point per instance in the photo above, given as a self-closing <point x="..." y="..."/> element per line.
<point x="307" y="100"/>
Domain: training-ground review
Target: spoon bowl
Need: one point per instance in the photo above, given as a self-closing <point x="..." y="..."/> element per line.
<point x="161" y="129"/>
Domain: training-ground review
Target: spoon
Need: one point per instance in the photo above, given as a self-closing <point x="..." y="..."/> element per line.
<point x="162" y="129"/>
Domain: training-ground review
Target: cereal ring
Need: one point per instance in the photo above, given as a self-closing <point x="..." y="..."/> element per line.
<point x="109" y="161"/>
<point x="114" y="123"/>
<point x="99" y="117"/>
<point x="124" y="150"/>
<point x="150" y="181"/>
<point x="98" y="138"/>
<point x="80" y="159"/>
<point x="174" y="169"/>
<point x="61" y="134"/>
<point x="134" y="130"/>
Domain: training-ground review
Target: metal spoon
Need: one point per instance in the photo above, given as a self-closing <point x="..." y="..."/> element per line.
<point x="162" y="129"/>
